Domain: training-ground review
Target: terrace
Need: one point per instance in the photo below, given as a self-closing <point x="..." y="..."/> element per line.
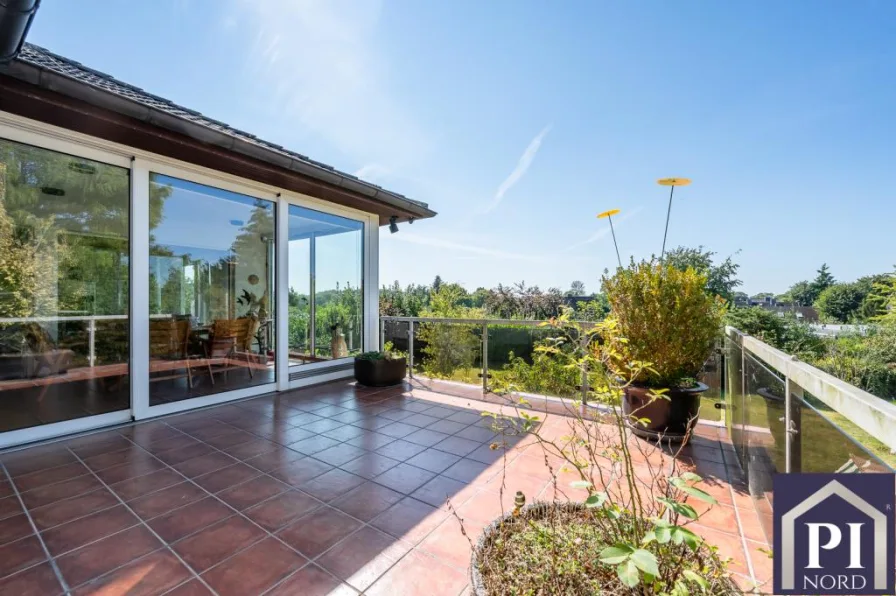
<point x="332" y="489"/>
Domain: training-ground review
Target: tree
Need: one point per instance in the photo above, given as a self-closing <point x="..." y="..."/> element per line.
<point x="721" y="279"/>
<point x="437" y="284"/>
<point x="822" y="282"/>
<point x="576" y="288"/>
<point x="840" y="302"/>
<point x="801" y="293"/>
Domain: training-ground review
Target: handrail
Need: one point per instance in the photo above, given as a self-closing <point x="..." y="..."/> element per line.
<point x="874" y="415"/>
<point x="518" y="322"/>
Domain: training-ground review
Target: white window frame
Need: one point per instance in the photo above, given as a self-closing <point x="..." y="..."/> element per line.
<point x="141" y="163"/>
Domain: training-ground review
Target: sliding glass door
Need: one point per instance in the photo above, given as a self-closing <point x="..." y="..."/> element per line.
<point x="211" y="291"/>
<point x="326" y="300"/>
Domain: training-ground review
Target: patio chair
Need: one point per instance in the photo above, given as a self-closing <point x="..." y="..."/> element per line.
<point x="231" y="339"/>
<point x="169" y="341"/>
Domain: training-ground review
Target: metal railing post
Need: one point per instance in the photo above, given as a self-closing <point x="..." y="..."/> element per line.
<point x="788" y="421"/>
<point x="485" y="358"/>
<point x="382" y="338"/>
<point x="584" y="386"/>
<point x="91" y="338"/>
<point x="411" y="349"/>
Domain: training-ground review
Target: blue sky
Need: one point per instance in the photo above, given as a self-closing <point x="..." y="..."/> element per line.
<point x="519" y="121"/>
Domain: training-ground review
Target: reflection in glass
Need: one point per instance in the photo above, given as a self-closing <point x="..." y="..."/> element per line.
<point x="325" y="286"/>
<point x="211" y="291"/>
<point x="63" y="287"/>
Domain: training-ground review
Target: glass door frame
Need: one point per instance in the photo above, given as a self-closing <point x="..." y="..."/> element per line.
<point x="42" y="136"/>
<point x="317" y="372"/>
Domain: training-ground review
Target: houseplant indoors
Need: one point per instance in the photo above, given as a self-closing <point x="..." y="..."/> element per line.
<point x="381" y="369"/>
<point x="662" y="316"/>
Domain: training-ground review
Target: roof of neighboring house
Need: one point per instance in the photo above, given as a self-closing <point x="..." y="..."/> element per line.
<point x="41" y="67"/>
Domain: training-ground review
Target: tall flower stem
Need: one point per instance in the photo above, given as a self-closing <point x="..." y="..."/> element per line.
<point x="612" y="231"/>
<point x="668" y="213"/>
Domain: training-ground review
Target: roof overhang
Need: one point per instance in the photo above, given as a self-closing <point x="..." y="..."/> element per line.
<point x="46" y="96"/>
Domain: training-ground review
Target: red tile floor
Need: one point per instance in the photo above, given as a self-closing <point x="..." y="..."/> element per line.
<point x="334" y="489"/>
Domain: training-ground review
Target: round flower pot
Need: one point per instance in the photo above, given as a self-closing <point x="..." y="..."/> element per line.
<point x="382" y="372"/>
<point x="670" y="417"/>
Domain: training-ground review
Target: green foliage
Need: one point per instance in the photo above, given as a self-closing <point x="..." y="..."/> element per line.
<point x="866" y="361"/>
<point x="547" y="375"/>
<point x="823" y="280"/>
<point x="782" y="332"/>
<point x="840" y="303"/>
<point x="721" y="279"/>
<point x="593" y="310"/>
<point x="662" y="316"/>
<point x="576" y="288"/>
<point x="448" y="347"/>
<point x="801" y="293"/>
<point x="387" y="353"/>
<point x="520" y="301"/>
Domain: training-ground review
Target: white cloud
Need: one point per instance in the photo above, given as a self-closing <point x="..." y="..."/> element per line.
<point x="316" y="64"/>
<point x="404" y="236"/>
<point x="522" y="166"/>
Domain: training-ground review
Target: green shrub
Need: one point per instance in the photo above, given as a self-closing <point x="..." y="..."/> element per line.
<point x="662" y="316"/>
<point x="782" y="332"/>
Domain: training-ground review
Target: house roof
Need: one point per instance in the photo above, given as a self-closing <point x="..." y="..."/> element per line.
<point x="41" y="67"/>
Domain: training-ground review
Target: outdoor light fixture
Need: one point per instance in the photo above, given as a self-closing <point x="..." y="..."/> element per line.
<point x="393" y="225"/>
<point x="410" y="220"/>
<point x="673" y="182"/>
<point x="609" y="215"/>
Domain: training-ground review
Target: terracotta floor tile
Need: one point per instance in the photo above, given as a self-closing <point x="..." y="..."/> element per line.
<point x="251" y="449"/>
<point x="204" y="429"/>
<point x="440" y="489"/>
<point x="410" y="520"/>
<point x="363" y="557"/>
<point x="405" y="478"/>
<point x="10" y="506"/>
<point x="39" y="580"/>
<point x="153" y="574"/>
<point x="465" y="417"/>
<point x="186" y="520"/>
<point x="340" y="454"/>
<point x="252" y="492"/>
<point x="312" y="581"/>
<point x="51" y="476"/>
<point x="476" y="433"/>
<point x="6" y="489"/>
<point x="272" y="460"/>
<point x="729" y="545"/>
<point x="115" y="458"/>
<point x="139" y="466"/>
<point x="89" y="446"/>
<point x="469" y="471"/>
<point x="152" y="433"/>
<point x="750" y="524"/>
<point x="56" y="492"/>
<point x="178" y="455"/>
<point x="144" y="485"/>
<point x="314" y="533"/>
<point x="212" y="545"/>
<point x="374" y="423"/>
<point x="334" y="483"/>
<point x="370" y="465"/>
<point x="231" y="439"/>
<point x="433" y="460"/>
<point x="320" y="426"/>
<point x="165" y="500"/>
<point x="314" y="444"/>
<point x="398" y="430"/>
<point x="22" y="463"/>
<point x="226" y="477"/>
<point x="292" y="434"/>
<point x="367" y="501"/>
<point x="448" y="544"/>
<point x="418" y="574"/>
<point x="425" y="437"/>
<point x="204" y="464"/>
<point x="255" y="569"/>
<point x="448" y="427"/>
<point x="299" y="472"/>
<point x="190" y="588"/>
<point x="79" y="532"/>
<point x="344" y="433"/>
<point x="15" y="527"/>
<point x="370" y="440"/>
<point x="101" y="557"/>
<point x="20" y="554"/>
<point x="172" y="445"/>
<point x="279" y="511"/>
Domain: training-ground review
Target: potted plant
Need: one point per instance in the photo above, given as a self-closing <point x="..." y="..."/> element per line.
<point x="618" y="527"/>
<point x="661" y="316"/>
<point x="380" y="369"/>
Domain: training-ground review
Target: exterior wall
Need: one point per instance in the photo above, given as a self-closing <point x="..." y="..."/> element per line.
<point x="141" y="163"/>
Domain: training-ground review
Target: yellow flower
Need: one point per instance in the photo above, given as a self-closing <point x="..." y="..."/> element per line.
<point x="609" y="213"/>
<point x="673" y="181"/>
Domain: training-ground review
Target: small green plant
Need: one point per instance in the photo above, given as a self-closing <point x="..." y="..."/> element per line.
<point x="387" y="353"/>
<point x="663" y="316"/>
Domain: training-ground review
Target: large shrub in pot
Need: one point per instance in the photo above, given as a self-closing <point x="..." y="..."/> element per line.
<point x="665" y="329"/>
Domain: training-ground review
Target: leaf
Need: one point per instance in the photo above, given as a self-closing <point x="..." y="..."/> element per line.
<point x="663" y="534"/>
<point x="583" y="484"/>
<point x="645" y="561"/>
<point x="616" y="554"/>
<point x="628" y="574"/>
<point x="696" y="578"/>
<point x="684" y="535"/>
<point x="649" y="537"/>
<point x="691" y="477"/>
<point x="595" y="500"/>
<point x="699" y="494"/>
<point x="682" y="509"/>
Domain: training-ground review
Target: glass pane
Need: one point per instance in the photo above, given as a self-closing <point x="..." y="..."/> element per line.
<point x="448" y="351"/>
<point x="326" y="262"/>
<point x="514" y="364"/>
<point x="64" y="339"/>
<point x="211" y="284"/>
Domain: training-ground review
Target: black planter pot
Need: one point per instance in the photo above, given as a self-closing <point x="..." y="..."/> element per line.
<point x="380" y="373"/>
<point x="669" y="419"/>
